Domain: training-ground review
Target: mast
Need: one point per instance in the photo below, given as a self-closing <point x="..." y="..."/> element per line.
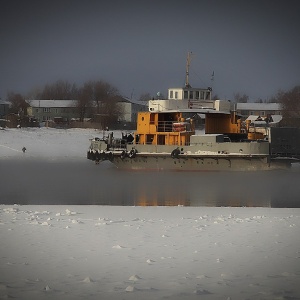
<point x="188" y="61"/>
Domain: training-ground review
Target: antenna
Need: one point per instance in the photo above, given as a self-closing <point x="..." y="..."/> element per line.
<point x="212" y="79"/>
<point x="188" y="62"/>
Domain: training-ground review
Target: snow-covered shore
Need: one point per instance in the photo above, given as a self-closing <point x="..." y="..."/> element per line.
<point x="46" y="142"/>
<point x="114" y="252"/>
<point x="102" y="252"/>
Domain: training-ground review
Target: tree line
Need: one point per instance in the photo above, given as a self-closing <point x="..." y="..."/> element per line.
<point x="94" y="98"/>
<point x="103" y="98"/>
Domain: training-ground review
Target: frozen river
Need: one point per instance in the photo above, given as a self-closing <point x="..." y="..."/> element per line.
<point x="73" y="181"/>
<point x="65" y="250"/>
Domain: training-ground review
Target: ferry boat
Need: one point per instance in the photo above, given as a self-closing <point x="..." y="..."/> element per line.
<point x="166" y="139"/>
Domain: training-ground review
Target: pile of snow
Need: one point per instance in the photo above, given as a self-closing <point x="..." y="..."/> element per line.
<point x="61" y="252"/>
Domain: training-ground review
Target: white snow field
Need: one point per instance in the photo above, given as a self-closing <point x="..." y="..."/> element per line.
<point x="114" y="252"/>
<point x="103" y="252"/>
<point x="46" y="142"/>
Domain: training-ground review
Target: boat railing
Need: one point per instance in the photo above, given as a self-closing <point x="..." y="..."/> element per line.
<point x="118" y="144"/>
<point x="171" y="126"/>
<point x="187" y="143"/>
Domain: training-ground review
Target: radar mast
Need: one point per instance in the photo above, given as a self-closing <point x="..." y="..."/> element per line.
<point x="188" y="62"/>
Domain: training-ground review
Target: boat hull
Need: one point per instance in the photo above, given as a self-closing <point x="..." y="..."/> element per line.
<point x="162" y="163"/>
<point x="208" y="156"/>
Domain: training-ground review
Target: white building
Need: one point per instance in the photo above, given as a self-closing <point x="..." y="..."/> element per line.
<point x="46" y="110"/>
<point x="258" y="109"/>
<point x="4" y="108"/>
<point x="189" y="98"/>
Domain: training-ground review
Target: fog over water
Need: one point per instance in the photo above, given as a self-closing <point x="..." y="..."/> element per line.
<point x="82" y="182"/>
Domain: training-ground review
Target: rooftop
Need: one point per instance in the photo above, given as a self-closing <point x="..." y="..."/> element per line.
<point x="52" y="103"/>
<point x="258" y="106"/>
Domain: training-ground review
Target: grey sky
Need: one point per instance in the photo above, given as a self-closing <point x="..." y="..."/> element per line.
<point x="253" y="47"/>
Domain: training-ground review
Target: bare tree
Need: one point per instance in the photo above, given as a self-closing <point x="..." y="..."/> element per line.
<point x="290" y="104"/>
<point x="238" y="98"/>
<point x="104" y="94"/>
<point x="110" y="111"/>
<point x="273" y="99"/>
<point x="34" y="94"/>
<point x="145" y="97"/>
<point x="18" y="104"/>
<point x="60" y="90"/>
<point x="105" y="98"/>
<point x="84" y="102"/>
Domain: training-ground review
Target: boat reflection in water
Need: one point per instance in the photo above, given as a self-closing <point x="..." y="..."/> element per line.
<point x="164" y="196"/>
<point x="238" y="189"/>
<point x="211" y="189"/>
<point x="80" y="183"/>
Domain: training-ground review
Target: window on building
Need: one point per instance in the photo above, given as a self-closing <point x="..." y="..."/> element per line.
<point x="37" y="110"/>
<point x="197" y="95"/>
<point x="176" y="95"/>
<point x="171" y="94"/>
<point x="46" y="109"/>
<point x="262" y="113"/>
<point x="186" y="95"/>
<point x="191" y="95"/>
<point x="202" y="95"/>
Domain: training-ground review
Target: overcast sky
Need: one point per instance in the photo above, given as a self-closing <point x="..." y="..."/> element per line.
<point x="252" y="47"/>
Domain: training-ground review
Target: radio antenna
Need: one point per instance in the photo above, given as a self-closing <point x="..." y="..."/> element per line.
<point x="188" y="62"/>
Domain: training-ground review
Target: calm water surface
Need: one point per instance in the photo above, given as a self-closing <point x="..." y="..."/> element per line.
<point x="83" y="182"/>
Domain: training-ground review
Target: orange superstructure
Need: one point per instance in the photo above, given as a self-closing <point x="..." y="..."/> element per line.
<point x="222" y="123"/>
<point x="170" y="128"/>
<point x="163" y="129"/>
